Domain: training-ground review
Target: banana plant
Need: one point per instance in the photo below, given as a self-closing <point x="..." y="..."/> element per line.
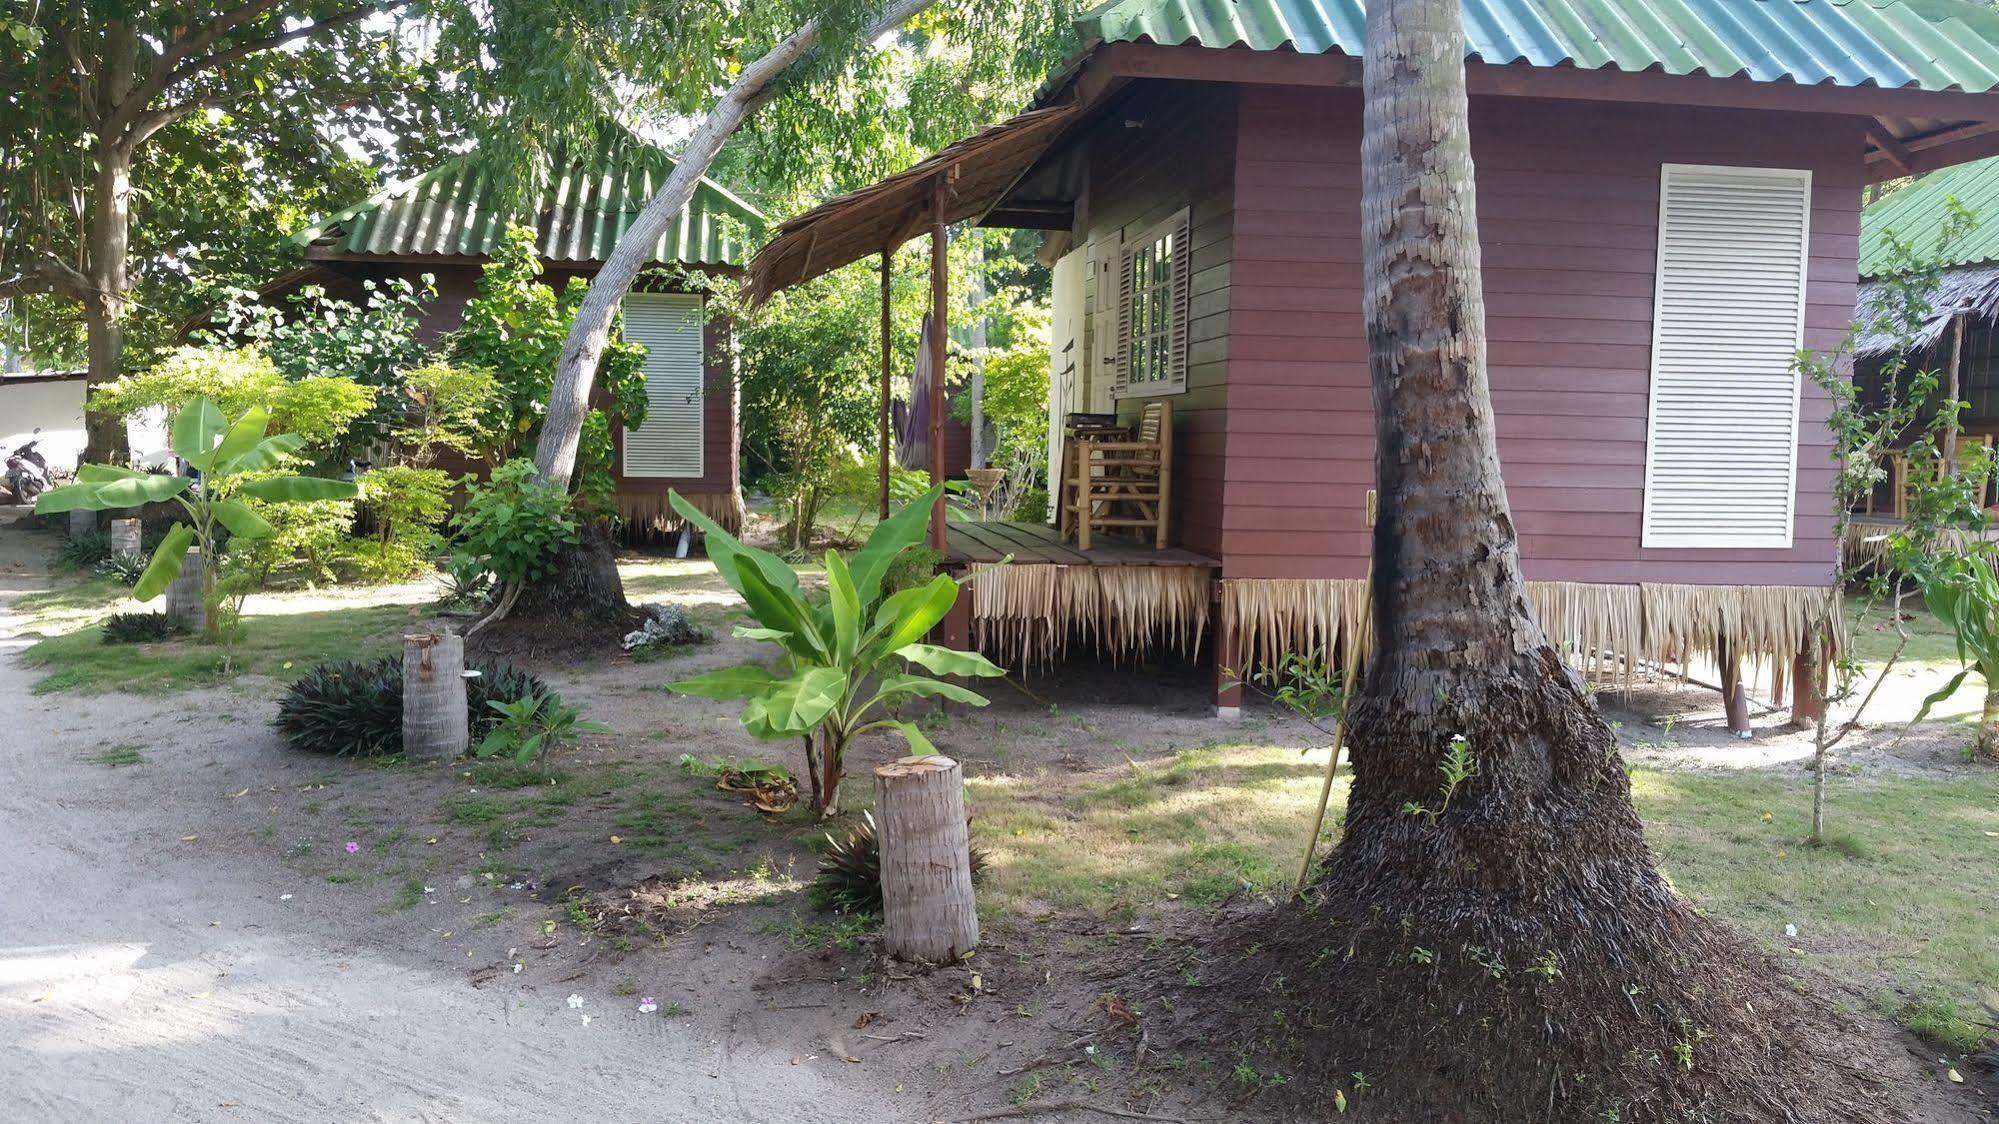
<point x="1963" y="591"/>
<point x="847" y="664"/>
<point x="232" y="459"/>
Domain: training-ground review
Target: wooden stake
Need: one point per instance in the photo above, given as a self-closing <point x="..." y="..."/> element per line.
<point x="436" y="726"/>
<point x="940" y="327"/>
<point x="1355" y="647"/>
<point x="883" y="450"/>
<point x="926" y="860"/>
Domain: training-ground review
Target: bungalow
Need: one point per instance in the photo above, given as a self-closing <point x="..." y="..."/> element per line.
<point x="1959" y="338"/>
<point x="446" y="222"/>
<point x="1669" y="201"/>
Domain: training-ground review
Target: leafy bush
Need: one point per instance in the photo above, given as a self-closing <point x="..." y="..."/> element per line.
<point x="318" y="410"/>
<point x="141" y="628"/>
<point x="373" y="562"/>
<point x="450" y="407"/>
<point x="306" y="540"/>
<point x="514" y="524"/>
<point x="355" y="707"/>
<point x="405" y="502"/>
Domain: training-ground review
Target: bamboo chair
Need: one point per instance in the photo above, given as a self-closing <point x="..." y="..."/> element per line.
<point x="1120" y="480"/>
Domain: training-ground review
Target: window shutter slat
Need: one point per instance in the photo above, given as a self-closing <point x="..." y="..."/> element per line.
<point x="1722" y="430"/>
<point x="670" y="443"/>
<point x="1121" y="379"/>
<point x="1183" y="271"/>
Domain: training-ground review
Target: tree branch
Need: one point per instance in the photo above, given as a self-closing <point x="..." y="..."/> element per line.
<point x="47" y="275"/>
<point x="250" y="47"/>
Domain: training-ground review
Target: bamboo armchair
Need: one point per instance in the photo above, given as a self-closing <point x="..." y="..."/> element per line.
<point x="1119" y="479"/>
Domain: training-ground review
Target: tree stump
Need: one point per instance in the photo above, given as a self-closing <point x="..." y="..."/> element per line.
<point x="926" y="860"/>
<point x="184" y="602"/>
<point x="436" y="726"/>
<point x="125" y="538"/>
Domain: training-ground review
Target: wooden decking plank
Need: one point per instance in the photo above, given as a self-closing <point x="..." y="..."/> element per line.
<point x="1034" y="542"/>
<point x="1040" y="544"/>
<point x="962" y="543"/>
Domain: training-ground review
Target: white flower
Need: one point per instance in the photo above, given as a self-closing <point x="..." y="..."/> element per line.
<point x="647" y="1006"/>
<point x="586" y="1020"/>
<point x="575" y="1001"/>
<point x="517" y="968"/>
<point x="284" y="897"/>
<point x="1790" y="930"/>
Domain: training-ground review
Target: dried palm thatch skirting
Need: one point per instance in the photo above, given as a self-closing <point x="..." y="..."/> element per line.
<point x="1603" y="630"/>
<point x="1864" y="543"/>
<point x="1029" y="613"/>
<point x="650" y="515"/>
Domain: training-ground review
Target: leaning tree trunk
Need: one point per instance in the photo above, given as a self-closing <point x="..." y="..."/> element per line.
<point x="1501" y="948"/>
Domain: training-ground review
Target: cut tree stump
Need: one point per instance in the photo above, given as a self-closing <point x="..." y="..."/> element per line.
<point x="184" y="594"/>
<point x="436" y="726"/>
<point x="926" y="860"/>
<point x="125" y="538"/>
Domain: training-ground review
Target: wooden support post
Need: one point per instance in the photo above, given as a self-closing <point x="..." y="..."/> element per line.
<point x="957" y="623"/>
<point x="883" y="448"/>
<point x="184" y="602"/>
<point x="1229" y="671"/>
<point x="928" y="912"/>
<point x="436" y="725"/>
<point x="1734" y="700"/>
<point x="940" y="328"/>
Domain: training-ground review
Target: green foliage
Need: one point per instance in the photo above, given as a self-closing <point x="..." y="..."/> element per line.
<point x="1456" y="768"/>
<point x="849" y="663"/>
<point x="450" y="407"/>
<point x="141" y="628"/>
<point x="407" y="503"/>
<point x="533" y="727"/>
<point x="319" y="337"/>
<point x="355" y="707"/>
<point x="514" y="328"/>
<point x="512" y="525"/>
<point x="1962" y="590"/>
<point x="306" y="540"/>
<point x="82" y="551"/>
<point x="318" y="409"/>
<point x="236" y="459"/>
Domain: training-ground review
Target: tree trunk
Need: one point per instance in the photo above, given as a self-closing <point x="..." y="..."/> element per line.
<point x="1988" y="724"/>
<point x="926" y="860"/>
<point x="590" y="333"/>
<point x="104" y="306"/>
<point x="1497" y="943"/>
<point x="436" y="725"/>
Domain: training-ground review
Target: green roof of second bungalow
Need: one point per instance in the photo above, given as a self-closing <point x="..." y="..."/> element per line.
<point x="456" y="210"/>
<point x="1920" y="44"/>
<point x="1916" y="214"/>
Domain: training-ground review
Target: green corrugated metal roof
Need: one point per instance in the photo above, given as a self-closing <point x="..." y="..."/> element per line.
<point x="455" y="210"/>
<point x="1926" y="44"/>
<point x="1916" y="215"/>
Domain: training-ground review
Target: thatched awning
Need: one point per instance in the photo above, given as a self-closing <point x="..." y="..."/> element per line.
<point x="1972" y="290"/>
<point x="978" y="170"/>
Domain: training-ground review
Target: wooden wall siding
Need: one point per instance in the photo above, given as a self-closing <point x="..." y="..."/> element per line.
<point x="721" y="436"/>
<point x="1171" y="146"/>
<point x="1568" y="198"/>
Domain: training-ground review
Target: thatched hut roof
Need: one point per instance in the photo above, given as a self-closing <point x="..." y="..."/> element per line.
<point x="1969" y="289"/>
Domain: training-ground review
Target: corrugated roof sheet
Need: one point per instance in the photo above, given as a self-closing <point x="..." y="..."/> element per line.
<point x="455" y="210"/>
<point x="1925" y="44"/>
<point x="1916" y="214"/>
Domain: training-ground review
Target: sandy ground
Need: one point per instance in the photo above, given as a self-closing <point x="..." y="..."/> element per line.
<point x="151" y="971"/>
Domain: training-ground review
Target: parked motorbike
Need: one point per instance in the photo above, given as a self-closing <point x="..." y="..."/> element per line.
<point x="27" y="473"/>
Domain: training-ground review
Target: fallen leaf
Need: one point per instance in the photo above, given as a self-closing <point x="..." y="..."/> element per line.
<point x="615" y="840"/>
<point x="1955" y="1076"/>
<point x="187" y="838"/>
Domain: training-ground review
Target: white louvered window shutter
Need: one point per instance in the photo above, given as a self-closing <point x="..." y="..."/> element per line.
<point x="1154" y="275"/>
<point x="1728" y="318"/>
<point x="669" y="444"/>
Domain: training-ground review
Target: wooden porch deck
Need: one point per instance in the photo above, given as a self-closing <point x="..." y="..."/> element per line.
<point x="972" y="543"/>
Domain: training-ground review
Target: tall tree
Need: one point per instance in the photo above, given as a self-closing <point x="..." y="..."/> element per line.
<point x="1490" y="940"/>
<point x="91" y="84"/>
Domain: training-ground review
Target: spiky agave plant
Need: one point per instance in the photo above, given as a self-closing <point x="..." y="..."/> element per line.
<point x="355" y="707"/>
<point x="141" y="628"/>
<point x="850" y="872"/>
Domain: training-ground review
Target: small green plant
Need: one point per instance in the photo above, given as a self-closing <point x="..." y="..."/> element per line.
<point x="1548" y="968"/>
<point x="1941" y="1019"/>
<point x="1963" y="591"/>
<point x="847" y="662"/>
<point x="510" y="530"/>
<point x="237" y="462"/>
<point x="141" y="628"/>
<point x="119" y="756"/>
<point x="533" y="727"/>
<point x="1421" y="955"/>
<point x="1457" y="767"/>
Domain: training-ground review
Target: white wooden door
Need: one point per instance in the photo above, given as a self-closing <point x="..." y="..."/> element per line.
<point x="669" y="444"/>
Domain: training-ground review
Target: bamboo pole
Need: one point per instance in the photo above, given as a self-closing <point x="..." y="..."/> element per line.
<point x="940" y="325"/>
<point x="888" y="369"/>
<point x="1352" y="657"/>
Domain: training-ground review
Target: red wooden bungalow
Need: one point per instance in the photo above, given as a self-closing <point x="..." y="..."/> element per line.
<point x="446" y="223"/>
<point x="1669" y="201"/>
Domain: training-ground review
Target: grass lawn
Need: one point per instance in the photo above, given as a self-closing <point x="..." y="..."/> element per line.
<point x="1898" y="909"/>
<point x="279" y="631"/>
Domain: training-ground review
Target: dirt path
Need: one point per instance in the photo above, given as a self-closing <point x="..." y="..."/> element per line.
<point x="146" y="977"/>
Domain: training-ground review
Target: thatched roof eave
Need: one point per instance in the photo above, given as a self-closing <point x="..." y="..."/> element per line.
<point x="1971" y="290"/>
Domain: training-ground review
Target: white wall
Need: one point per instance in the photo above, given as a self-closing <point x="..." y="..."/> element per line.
<point x="54" y="407"/>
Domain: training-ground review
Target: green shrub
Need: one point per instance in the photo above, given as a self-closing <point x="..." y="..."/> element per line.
<point x="305" y="542"/>
<point x="141" y="628"/>
<point x="82" y="551"/>
<point x="373" y="562"/>
<point x="355" y="707"/>
<point x="406" y="503"/>
<point x="513" y="524"/>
